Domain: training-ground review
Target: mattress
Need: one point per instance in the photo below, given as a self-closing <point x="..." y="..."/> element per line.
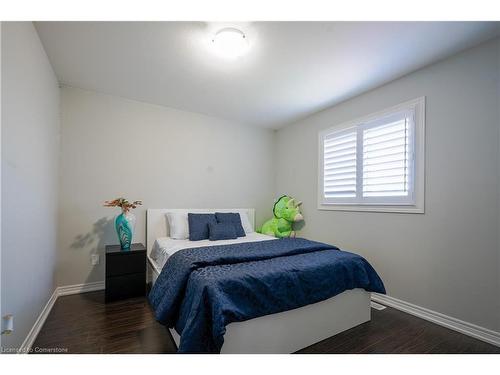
<point x="165" y="247"/>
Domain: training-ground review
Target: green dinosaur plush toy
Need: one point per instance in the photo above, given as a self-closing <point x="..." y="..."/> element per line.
<point x="286" y="211"/>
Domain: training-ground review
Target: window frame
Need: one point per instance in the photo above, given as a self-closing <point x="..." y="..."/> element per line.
<point x="414" y="203"/>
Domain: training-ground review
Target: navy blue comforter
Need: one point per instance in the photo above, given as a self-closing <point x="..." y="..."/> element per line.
<point x="201" y="290"/>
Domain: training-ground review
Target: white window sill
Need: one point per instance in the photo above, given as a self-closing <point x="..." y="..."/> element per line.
<point x="372" y="208"/>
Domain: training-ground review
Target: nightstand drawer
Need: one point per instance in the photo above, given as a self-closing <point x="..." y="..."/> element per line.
<point x="124" y="264"/>
<point x="126" y="286"/>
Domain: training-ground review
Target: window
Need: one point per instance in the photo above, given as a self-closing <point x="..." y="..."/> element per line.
<point x="375" y="163"/>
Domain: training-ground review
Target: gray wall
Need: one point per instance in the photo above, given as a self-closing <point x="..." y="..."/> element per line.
<point x="448" y="258"/>
<point x="30" y="159"/>
<point x="168" y="158"/>
<point x="498" y="201"/>
<point x="0" y="176"/>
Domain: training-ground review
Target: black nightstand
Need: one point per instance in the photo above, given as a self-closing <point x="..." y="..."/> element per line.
<point x="125" y="272"/>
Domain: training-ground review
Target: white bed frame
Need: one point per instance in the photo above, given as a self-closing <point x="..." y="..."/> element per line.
<point x="280" y="333"/>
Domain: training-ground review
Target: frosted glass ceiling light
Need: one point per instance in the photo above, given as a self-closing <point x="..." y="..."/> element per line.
<point x="230" y="43"/>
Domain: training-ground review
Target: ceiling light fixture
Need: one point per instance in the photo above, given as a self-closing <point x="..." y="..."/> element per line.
<point x="230" y="43"/>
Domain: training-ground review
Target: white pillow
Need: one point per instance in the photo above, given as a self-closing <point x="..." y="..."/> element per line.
<point x="245" y="222"/>
<point x="178" y="225"/>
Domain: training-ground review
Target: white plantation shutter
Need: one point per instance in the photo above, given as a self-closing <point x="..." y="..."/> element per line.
<point x="371" y="162"/>
<point x="386" y="158"/>
<point x="340" y="165"/>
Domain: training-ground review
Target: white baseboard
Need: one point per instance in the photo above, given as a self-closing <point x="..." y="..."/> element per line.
<point x="469" y="329"/>
<point x="79" y="288"/>
<point x="35" y="330"/>
<point x="58" y="292"/>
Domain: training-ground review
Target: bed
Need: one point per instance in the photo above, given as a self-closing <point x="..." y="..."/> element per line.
<point x="279" y="332"/>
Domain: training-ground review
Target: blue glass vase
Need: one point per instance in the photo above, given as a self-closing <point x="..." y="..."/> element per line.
<point x="125" y="225"/>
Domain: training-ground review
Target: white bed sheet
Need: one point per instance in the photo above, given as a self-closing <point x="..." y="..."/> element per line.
<point x="165" y="247"/>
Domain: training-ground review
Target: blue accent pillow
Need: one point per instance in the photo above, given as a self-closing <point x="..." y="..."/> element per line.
<point x="233" y="218"/>
<point x="221" y="231"/>
<point x="198" y="225"/>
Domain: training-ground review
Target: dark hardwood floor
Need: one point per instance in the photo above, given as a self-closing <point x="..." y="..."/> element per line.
<point x="83" y="323"/>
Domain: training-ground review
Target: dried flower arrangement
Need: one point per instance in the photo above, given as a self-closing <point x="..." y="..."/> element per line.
<point x="124" y="204"/>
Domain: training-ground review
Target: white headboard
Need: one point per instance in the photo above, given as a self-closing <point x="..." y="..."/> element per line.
<point x="156" y="221"/>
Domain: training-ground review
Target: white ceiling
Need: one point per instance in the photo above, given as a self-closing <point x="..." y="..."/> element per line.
<point x="291" y="70"/>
